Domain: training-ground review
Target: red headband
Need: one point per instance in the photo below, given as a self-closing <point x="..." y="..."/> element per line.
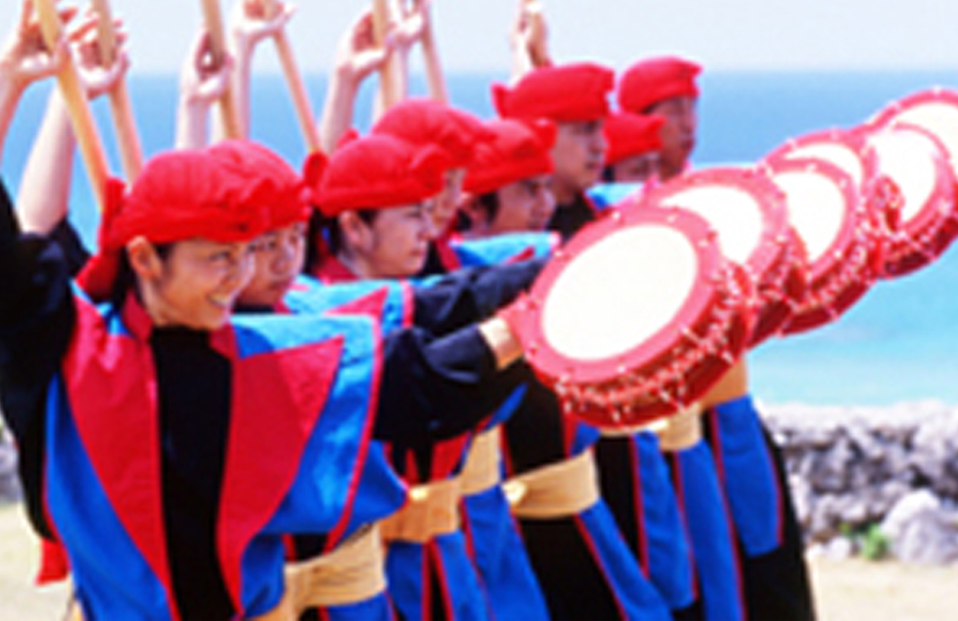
<point x="282" y="192"/>
<point x="562" y="93"/>
<point x="517" y="152"/>
<point x="379" y="172"/>
<point x="650" y="81"/>
<point x="179" y="195"/>
<point x="632" y="134"/>
<point x="427" y="122"/>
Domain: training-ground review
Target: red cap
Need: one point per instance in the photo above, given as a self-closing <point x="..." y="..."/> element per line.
<point x="563" y="93"/>
<point x="650" y="81"/>
<point x="283" y="192"/>
<point x="428" y="122"/>
<point x="518" y="151"/>
<point x="178" y="195"/>
<point x="632" y="134"/>
<point x="379" y="172"/>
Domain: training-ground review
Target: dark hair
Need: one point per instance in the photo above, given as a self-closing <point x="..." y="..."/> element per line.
<point x="489" y="202"/>
<point x="608" y="174"/>
<point x="324" y="234"/>
<point x="126" y="277"/>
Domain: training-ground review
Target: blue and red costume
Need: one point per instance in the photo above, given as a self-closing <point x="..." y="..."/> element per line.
<point x="752" y="475"/>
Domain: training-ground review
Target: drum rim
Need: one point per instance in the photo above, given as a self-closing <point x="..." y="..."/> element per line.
<point x="768" y="197"/>
<point x="561" y="368"/>
<point x="855" y="208"/>
<point x="854" y="139"/>
<point x="887" y="116"/>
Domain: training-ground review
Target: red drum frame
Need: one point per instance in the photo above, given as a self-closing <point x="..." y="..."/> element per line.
<point x="775" y="259"/>
<point x="925" y="236"/>
<point x="844" y="269"/>
<point x="850" y="151"/>
<point x="674" y="363"/>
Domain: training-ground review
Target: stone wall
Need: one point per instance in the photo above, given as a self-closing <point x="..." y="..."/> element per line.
<point x="9" y="484"/>
<point x="867" y="477"/>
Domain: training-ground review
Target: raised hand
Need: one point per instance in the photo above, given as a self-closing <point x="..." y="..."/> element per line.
<point x="26" y="57"/>
<point x="98" y="77"/>
<point x="250" y="22"/>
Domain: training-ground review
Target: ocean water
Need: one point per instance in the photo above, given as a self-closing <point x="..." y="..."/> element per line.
<point x="899" y="343"/>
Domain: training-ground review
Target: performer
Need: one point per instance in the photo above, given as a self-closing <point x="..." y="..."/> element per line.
<point x="509" y="184"/>
<point x="456" y="133"/>
<point x="574" y="97"/>
<point x="634" y="144"/>
<point x="749" y="464"/>
<point x="575" y="547"/>
<point x="665" y="86"/>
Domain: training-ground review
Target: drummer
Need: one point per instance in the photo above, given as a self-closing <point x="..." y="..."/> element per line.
<point x="635" y="141"/>
<point x="665" y="86"/>
<point x="577" y="553"/>
<point x="575" y="97"/>
<point x="456" y="133"/>
<point x="757" y="494"/>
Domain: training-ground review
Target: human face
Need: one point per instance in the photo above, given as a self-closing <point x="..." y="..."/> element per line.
<point x="636" y="168"/>
<point x="394" y="245"/>
<point x="525" y="205"/>
<point x="197" y="283"/>
<point x="278" y="256"/>
<point x="678" y="134"/>
<point x="443" y="206"/>
<point x="578" y="156"/>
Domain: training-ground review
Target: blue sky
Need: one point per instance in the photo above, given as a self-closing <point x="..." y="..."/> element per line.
<point x="726" y="34"/>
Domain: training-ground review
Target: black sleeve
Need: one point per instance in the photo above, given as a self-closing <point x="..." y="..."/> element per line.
<point x="36" y="320"/>
<point x="72" y="246"/>
<point x="436" y="388"/>
<point x="470" y="295"/>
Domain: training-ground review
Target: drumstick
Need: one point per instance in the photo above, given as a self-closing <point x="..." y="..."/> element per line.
<point x="213" y="18"/>
<point x="387" y="76"/>
<point x="131" y="152"/>
<point x="297" y="89"/>
<point x="434" y="76"/>
<point x="77" y="106"/>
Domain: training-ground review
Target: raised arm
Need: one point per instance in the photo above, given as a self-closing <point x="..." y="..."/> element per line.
<point x="45" y="186"/>
<point x="357" y="56"/>
<point x="249" y="25"/>
<point x="529" y="39"/>
<point x="24" y="59"/>
<point x="202" y="83"/>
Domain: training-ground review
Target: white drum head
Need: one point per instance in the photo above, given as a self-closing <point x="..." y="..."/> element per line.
<point x="654" y="269"/>
<point x="908" y="158"/>
<point x="835" y="153"/>
<point x="941" y="119"/>
<point x="734" y="214"/>
<point x="816" y="208"/>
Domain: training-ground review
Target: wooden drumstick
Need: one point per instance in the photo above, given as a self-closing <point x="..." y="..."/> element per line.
<point x="294" y="80"/>
<point x="387" y="76"/>
<point x="131" y="153"/>
<point x="77" y="105"/>
<point x="213" y="18"/>
<point x="430" y="57"/>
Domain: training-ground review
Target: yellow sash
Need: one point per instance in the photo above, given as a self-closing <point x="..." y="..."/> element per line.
<point x="481" y="471"/>
<point x="557" y="490"/>
<point x="432" y="509"/>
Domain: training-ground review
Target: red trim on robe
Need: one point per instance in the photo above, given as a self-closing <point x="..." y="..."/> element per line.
<point x="263" y="452"/>
<point x="119" y="427"/>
